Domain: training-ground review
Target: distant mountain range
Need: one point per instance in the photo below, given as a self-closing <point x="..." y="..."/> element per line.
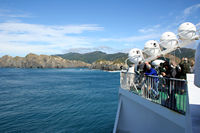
<point x="94" y="56"/>
<point x="98" y="55"/>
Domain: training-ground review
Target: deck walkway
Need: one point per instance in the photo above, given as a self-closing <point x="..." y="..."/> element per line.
<point x="194" y="103"/>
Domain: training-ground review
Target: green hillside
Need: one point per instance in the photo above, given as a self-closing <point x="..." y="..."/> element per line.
<point x="94" y="56"/>
<point x="119" y="57"/>
<point x="184" y="52"/>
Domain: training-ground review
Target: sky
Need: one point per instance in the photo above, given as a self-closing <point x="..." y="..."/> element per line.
<point x="61" y="26"/>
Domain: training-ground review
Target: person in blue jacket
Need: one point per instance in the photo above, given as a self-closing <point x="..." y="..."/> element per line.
<point x="154" y="88"/>
<point x="150" y="70"/>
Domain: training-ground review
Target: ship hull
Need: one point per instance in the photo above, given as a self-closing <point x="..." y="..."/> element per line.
<point x="138" y="115"/>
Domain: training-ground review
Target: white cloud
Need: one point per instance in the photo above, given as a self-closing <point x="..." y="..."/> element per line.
<point x="91" y="49"/>
<point x="53" y="30"/>
<point x="22" y="38"/>
<point x="132" y="38"/>
<point x="150" y="29"/>
<point x="9" y="14"/>
<point x="23" y="49"/>
<point x="191" y="9"/>
<point x="188" y="14"/>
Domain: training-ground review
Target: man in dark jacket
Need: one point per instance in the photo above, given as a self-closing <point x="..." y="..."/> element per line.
<point x="169" y="70"/>
<point x="170" y="73"/>
<point x="185" y="68"/>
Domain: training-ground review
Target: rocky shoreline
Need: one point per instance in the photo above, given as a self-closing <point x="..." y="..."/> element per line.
<point x="44" y="61"/>
<point x="107" y="65"/>
<point x="39" y="61"/>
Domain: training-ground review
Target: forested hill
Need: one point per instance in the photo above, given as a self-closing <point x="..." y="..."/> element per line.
<point x="94" y="56"/>
<point x="98" y="55"/>
<point x="184" y="52"/>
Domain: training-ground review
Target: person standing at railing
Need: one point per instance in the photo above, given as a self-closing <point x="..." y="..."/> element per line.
<point x="192" y="66"/>
<point x="154" y="88"/>
<point x="178" y="71"/>
<point x="140" y="73"/>
<point x="169" y="70"/>
<point x="130" y="76"/>
<point x="150" y="70"/>
<point x="171" y="86"/>
<point x="161" y="69"/>
<point x="140" y="67"/>
<point x="185" y="68"/>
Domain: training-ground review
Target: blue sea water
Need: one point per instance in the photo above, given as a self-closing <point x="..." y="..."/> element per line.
<point x="58" y="100"/>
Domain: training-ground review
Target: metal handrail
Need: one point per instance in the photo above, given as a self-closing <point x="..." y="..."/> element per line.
<point x="168" y="92"/>
<point x="158" y="76"/>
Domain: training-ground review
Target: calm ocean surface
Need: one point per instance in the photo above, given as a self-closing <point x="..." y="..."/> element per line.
<point x="58" y="100"/>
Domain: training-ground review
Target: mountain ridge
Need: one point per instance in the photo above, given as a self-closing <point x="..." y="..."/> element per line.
<point x="93" y="56"/>
<point x="99" y="55"/>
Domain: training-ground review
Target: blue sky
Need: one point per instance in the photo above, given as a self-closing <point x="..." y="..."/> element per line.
<point x="60" y="26"/>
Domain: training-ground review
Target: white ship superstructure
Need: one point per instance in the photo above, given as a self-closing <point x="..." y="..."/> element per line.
<point x="155" y="104"/>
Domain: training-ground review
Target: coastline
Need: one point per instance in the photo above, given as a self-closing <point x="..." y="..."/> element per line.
<point x="45" y="61"/>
